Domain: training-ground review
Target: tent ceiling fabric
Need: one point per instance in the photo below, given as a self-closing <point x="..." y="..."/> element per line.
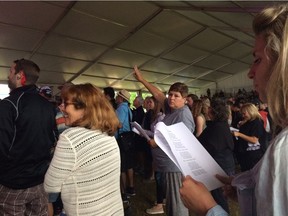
<point x="195" y="42"/>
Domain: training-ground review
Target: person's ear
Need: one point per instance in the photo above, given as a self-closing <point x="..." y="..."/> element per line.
<point x="22" y="77"/>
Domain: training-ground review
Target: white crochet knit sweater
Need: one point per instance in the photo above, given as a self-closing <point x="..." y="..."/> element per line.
<point x="86" y="170"/>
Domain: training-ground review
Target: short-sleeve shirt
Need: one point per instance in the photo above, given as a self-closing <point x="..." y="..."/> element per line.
<point x="183" y="114"/>
<point x="122" y="113"/>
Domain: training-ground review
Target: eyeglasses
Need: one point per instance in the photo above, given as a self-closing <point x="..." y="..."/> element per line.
<point x="65" y="104"/>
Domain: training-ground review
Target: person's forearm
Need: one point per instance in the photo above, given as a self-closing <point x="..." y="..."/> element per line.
<point x="159" y="96"/>
<point x="250" y="139"/>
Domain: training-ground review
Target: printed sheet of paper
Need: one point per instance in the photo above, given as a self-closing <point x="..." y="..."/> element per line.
<point x="233" y="129"/>
<point x="138" y="129"/>
<point x="188" y="154"/>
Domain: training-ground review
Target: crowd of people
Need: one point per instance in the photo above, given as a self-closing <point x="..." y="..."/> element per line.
<point x="79" y="156"/>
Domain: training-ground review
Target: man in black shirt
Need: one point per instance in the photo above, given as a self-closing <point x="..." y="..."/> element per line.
<point x="27" y="135"/>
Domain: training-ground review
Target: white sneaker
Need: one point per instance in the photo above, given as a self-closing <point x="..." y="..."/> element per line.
<point x="155" y="210"/>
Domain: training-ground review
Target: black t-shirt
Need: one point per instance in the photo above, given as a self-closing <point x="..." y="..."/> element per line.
<point x="251" y="128"/>
<point x="216" y="137"/>
<point x="138" y="115"/>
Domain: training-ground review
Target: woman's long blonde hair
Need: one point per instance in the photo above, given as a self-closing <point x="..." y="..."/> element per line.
<point x="252" y="110"/>
<point x="272" y="23"/>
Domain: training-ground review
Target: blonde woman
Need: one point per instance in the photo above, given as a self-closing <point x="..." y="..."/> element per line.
<point x="269" y="72"/>
<point x="250" y="137"/>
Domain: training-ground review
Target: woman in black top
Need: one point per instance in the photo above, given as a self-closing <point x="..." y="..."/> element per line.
<point x="218" y="141"/>
<point x="248" y="149"/>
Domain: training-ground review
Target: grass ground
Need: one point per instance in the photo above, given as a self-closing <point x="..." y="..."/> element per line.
<point x="145" y="197"/>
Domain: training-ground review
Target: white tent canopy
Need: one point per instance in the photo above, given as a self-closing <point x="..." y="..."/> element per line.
<point x="205" y="44"/>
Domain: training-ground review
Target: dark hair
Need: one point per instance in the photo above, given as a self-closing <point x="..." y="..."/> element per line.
<point x="179" y="87"/>
<point x="239" y="102"/>
<point x="109" y="91"/>
<point x="29" y="68"/>
<point x="219" y="110"/>
<point x="193" y="96"/>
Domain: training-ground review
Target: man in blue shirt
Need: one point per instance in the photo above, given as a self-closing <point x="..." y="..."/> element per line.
<point x="127" y="156"/>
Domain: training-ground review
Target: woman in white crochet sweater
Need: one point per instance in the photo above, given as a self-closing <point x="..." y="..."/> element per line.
<point x="86" y="163"/>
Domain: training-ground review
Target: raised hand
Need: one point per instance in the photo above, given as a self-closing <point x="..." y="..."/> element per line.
<point x="137" y="74"/>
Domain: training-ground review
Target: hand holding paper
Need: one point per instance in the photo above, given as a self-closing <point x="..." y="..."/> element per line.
<point x="232" y="129"/>
<point x="188" y="154"/>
